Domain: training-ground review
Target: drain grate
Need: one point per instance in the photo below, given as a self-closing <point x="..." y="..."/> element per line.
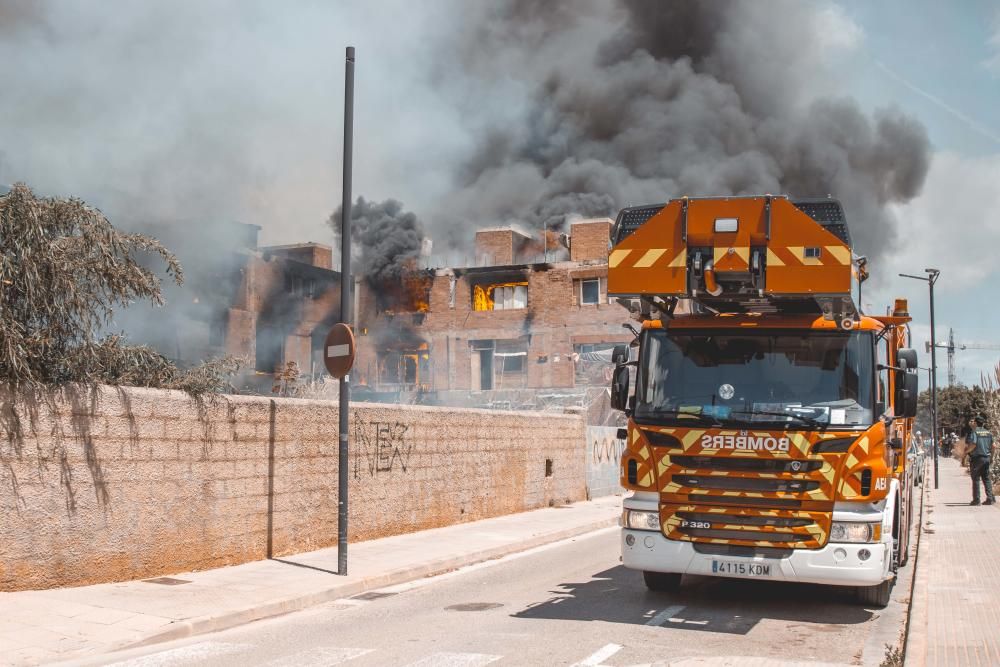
<point x="372" y="595"/>
<point x="473" y="606"/>
<point x="167" y="581"/>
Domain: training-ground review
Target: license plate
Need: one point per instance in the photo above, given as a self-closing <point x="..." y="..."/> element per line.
<point x="733" y="568"/>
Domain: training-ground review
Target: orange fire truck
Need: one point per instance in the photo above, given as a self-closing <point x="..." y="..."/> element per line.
<point x="768" y="417"/>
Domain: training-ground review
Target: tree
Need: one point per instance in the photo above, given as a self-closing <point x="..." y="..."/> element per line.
<point x="956" y="404"/>
<point x="991" y="394"/>
<point x="63" y="270"/>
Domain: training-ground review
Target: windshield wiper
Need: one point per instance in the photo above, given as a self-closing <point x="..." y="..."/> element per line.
<point x="680" y="414"/>
<point x="811" y="421"/>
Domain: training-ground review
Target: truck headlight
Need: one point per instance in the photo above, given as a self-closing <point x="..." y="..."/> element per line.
<point x="639" y="520"/>
<point x="854" y="531"/>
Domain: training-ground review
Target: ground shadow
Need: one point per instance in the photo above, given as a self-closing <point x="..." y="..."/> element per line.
<point x="308" y="567"/>
<point x="710" y="604"/>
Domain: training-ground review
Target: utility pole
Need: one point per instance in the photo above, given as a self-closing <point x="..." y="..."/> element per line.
<point x="930" y="279"/>
<point x="343" y="459"/>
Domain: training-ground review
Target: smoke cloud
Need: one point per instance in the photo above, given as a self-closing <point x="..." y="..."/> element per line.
<point x="387" y="239"/>
<point x="191" y="114"/>
<point x="640" y="101"/>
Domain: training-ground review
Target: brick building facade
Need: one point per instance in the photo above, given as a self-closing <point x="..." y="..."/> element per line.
<point x="504" y="326"/>
<point x="268" y="305"/>
<point x="508" y="323"/>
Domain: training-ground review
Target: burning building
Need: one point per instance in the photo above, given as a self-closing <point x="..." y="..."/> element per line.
<point x="271" y="306"/>
<point x="511" y="322"/>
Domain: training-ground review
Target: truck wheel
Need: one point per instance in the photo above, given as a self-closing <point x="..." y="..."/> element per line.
<point x="876" y="596"/>
<point x="662" y="582"/>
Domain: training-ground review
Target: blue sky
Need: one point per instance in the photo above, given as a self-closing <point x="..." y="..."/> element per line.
<point x="939" y="62"/>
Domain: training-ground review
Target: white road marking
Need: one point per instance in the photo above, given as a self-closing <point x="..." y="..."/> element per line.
<point x="183" y="654"/>
<point x="600" y="656"/>
<point x="322" y="655"/>
<point x="455" y="660"/>
<point x="665" y="615"/>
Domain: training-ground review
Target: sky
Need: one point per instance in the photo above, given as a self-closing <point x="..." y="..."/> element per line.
<point x="188" y="112"/>
<point x="941" y="62"/>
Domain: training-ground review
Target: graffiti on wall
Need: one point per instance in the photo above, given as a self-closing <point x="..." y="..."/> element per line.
<point x="606" y="447"/>
<point x="380" y="447"/>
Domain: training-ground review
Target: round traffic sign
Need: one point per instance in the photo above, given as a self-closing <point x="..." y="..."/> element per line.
<point x="338" y="350"/>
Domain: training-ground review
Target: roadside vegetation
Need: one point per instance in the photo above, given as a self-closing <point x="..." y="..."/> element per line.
<point x="64" y="269"/>
<point x="956" y="404"/>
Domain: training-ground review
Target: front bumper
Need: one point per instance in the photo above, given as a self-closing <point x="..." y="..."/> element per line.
<point x="836" y="564"/>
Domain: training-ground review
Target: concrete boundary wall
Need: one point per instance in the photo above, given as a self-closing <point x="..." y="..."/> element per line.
<point x="604" y="454"/>
<point x="117" y="484"/>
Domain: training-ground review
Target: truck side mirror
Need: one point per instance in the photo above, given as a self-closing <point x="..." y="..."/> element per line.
<point x="620" y="354"/>
<point x="912" y="394"/>
<point x="907" y="391"/>
<point x="907" y="359"/>
<point x="619" y="388"/>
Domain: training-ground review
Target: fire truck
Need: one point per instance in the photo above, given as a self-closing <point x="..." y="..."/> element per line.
<point x="767" y="417"/>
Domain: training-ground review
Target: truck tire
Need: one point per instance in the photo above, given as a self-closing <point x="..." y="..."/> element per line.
<point x="662" y="582"/>
<point x="876" y="596"/>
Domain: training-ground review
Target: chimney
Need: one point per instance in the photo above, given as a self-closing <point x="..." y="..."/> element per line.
<point x="590" y="240"/>
<point x="500" y="247"/>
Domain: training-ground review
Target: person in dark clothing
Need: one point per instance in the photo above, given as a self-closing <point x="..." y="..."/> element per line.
<point x="980" y="453"/>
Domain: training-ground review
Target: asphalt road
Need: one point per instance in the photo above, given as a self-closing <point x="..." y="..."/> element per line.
<point x="568" y="603"/>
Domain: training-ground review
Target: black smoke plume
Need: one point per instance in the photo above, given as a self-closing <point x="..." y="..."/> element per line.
<point x="639" y="101"/>
<point x="387" y="239"/>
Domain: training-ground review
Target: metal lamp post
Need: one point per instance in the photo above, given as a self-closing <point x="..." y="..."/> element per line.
<point x="345" y="310"/>
<point x="930" y="279"/>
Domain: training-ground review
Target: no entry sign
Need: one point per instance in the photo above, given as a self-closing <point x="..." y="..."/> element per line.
<point x="338" y="351"/>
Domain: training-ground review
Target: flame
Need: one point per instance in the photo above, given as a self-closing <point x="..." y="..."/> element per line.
<point x="481" y="299"/>
<point x="482" y="296"/>
<point x="417" y="286"/>
<point x="410" y="295"/>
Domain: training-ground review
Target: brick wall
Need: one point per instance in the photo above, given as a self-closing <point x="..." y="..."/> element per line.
<point x="495" y="246"/>
<point x="314" y="254"/>
<point x="125" y="484"/>
<point x="554" y="322"/>
<point x="589" y="240"/>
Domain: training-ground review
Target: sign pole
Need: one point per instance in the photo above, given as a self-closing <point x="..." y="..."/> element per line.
<point x="345" y="310"/>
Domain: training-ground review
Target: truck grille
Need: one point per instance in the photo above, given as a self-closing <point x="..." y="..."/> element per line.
<point x="733" y="479"/>
<point x="745" y="483"/>
<point x="748" y="527"/>
<point x="745" y="465"/>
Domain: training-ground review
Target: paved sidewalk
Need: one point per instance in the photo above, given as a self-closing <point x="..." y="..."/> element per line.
<point x="955" y="617"/>
<point x="74" y="623"/>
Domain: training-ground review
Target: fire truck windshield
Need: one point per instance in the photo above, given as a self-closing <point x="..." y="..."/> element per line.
<point x="766" y="379"/>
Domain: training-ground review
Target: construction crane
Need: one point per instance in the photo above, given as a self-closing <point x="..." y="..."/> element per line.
<point x="951" y="346"/>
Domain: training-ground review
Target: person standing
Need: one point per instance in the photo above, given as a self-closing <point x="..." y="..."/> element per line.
<point x="980" y="452"/>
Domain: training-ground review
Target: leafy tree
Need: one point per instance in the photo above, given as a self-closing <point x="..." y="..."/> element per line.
<point x="956" y="404"/>
<point x="63" y="270"/>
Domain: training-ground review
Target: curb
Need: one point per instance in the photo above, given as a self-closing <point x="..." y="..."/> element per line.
<point x="915" y="643"/>
<point x="231" y="619"/>
<point x="873" y="652"/>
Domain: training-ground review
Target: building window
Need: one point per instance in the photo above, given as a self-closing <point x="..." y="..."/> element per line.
<point x="217" y="330"/>
<point x="592" y="364"/>
<point x="502" y="296"/>
<point x="499" y="364"/>
<point x="590" y="291"/>
<point x="405" y="370"/>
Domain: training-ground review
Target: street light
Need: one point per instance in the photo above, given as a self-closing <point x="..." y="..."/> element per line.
<point x="930" y="279"/>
